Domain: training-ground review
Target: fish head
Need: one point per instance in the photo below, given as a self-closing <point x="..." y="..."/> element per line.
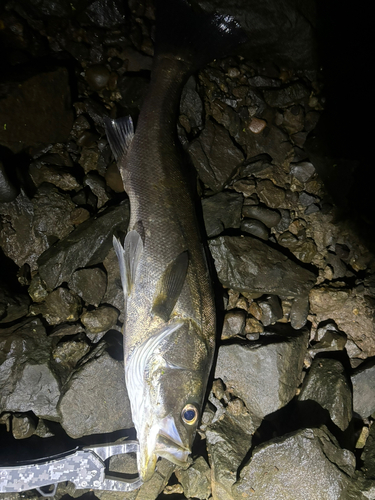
<point x="173" y="385"/>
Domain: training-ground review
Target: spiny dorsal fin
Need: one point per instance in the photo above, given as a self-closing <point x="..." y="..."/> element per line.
<point x="128" y="257"/>
<point x="120" y="134"/>
<point x="169" y="286"/>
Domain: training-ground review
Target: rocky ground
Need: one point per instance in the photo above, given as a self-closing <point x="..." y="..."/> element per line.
<point x="289" y="413"/>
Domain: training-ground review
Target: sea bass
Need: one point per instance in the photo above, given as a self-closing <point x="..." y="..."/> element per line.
<point x="169" y="328"/>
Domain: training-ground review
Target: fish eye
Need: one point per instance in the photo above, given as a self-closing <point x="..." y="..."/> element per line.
<point x="189" y="414"/>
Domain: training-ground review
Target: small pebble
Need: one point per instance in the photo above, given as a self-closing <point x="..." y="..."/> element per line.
<point x="97" y="76"/>
<point x="257" y="125"/>
<point x="255" y="227"/>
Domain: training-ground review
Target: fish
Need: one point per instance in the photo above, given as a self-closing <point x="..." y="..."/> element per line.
<point x="169" y="328"/>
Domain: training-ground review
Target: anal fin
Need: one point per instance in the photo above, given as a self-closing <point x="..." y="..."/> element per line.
<point x="169" y="286"/>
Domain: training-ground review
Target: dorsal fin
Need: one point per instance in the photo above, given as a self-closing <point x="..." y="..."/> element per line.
<point x="120" y="133"/>
<point x="128" y="257"/>
<point x="169" y="286"/>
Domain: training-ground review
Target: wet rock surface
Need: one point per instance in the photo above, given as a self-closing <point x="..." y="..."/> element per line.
<point x="296" y="278"/>
<point x="309" y="453"/>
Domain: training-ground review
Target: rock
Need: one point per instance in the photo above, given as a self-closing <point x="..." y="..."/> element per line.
<point x="273" y="196"/>
<point x="133" y="90"/>
<point x="293" y="120"/>
<point x="368" y="455"/>
<point x="8" y="192"/>
<point x="27" y="379"/>
<point x="113" y="178"/>
<point x="327" y="385"/>
<point x="106" y="13"/>
<point x="114" y="294"/>
<point x="257" y="125"/>
<point x="196" y="480"/>
<point x="42" y="429"/>
<point x="249" y="265"/>
<point x="299" y="312"/>
<point x="89" y="159"/>
<point x="37" y="290"/>
<point x="99" y="320"/>
<point x="329" y="339"/>
<point x="58" y="176"/>
<point x="255" y="227"/>
<point x="60" y="306"/>
<point x="87" y="245"/>
<point x="191" y="104"/>
<point x="12" y="305"/>
<point x="95" y="400"/>
<point x="286" y="96"/>
<point x="67" y="354"/>
<point x="245" y="186"/>
<point x="271" y="310"/>
<point x="234" y="324"/>
<point x="351" y="312"/>
<point x="23" y="425"/>
<point x="89" y="284"/>
<point x="292" y="464"/>
<point x="67" y="329"/>
<point x="43" y="102"/>
<point x="303" y="248"/>
<point x="269" y="217"/>
<point x="214" y="156"/>
<point x="285" y="220"/>
<point x="302" y="171"/>
<point x="97" y="76"/>
<point x="222" y="211"/>
<point x="29" y="226"/>
<point x="227" y="444"/>
<point x="307" y="199"/>
<point x="97" y="185"/>
<point x="264" y="375"/>
<point x="253" y="328"/>
<point x="363" y="382"/>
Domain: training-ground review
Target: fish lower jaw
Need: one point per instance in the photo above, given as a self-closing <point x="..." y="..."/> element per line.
<point x="172" y="451"/>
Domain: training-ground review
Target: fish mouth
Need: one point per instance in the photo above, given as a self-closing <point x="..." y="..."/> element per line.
<point x="167" y="447"/>
<point x="164" y="441"/>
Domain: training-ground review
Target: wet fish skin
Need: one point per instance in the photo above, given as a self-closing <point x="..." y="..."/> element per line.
<point x="169" y="329"/>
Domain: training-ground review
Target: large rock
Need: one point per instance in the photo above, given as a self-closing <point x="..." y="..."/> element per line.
<point x="350" y="310"/>
<point x="304" y="465"/>
<point x="327" y="385"/>
<point x="60" y="306"/>
<point x="246" y="264"/>
<point x="279" y="31"/>
<point x="29" y="226"/>
<point x="227" y="444"/>
<point x="37" y="111"/>
<point x="12" y="305"/>
<point x="265" y="375"/>
<point x="222" y="211"/>
<point x="27" y="378"/>
<point x="196" y="480"/>
<point x="87" y="245"/>
<point x="363" y="382"/>
<point x="95" y="400"/>
<point x="215" y="156"/>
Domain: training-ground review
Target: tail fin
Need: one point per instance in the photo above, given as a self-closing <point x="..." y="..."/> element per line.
<point x="196" y="36"/>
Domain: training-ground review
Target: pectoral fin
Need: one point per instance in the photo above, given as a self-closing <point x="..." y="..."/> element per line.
<point x="128" y="257"/>
<point x="169" y="286"/>
<point x="120" y="134"/>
